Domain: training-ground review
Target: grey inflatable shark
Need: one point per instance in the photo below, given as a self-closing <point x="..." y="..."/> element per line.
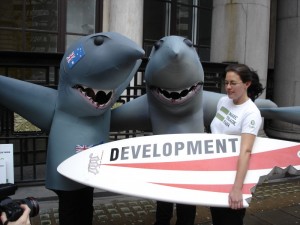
<point x="174" y="101"/>
<point x="174" y="89"/>
<point x="174" y="85"/>
<point x="93" y="73"/>
<point x="174" y="97"/>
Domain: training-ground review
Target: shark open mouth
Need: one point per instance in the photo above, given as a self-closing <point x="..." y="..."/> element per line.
<point x="99" y="98"/>
<point x="176" y="97"/>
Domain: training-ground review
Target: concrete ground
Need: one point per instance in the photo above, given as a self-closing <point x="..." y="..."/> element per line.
<point x="273" y="203"/>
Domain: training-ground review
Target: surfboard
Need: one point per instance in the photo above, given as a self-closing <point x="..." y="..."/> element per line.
<point x="197" y="168"/>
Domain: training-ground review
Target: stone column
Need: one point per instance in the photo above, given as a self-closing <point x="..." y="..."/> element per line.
<point x="125" y="17"/>
<point x="286" y="67"/>
<point x="240" y="33"/>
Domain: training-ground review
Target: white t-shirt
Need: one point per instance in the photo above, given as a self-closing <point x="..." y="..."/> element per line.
<point x="236" y="119"/>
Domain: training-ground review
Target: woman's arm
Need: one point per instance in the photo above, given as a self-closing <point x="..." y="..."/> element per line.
<point x="235" y="195"/>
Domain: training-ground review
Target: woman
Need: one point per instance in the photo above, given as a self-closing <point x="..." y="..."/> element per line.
<point x="237" y="115"/>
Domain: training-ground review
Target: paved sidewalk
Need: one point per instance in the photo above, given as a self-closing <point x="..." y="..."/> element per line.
<point x="273" y="203"/>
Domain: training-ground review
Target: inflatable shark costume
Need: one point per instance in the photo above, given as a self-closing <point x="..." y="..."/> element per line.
<point x="174" y="95"/>
<point x="93" y="73"/>
<point x="174" y="78"/>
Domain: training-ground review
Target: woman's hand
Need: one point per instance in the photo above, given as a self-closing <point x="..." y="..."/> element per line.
<point x="23" y="220"/>
<point x="235" y="199"/>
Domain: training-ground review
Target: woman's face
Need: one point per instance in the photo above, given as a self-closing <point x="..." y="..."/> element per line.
<point x="235" y="88"/>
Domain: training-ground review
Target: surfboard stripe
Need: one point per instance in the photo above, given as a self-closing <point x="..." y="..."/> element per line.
<point x="278" y="157"/>
<point x="224" y="188"/>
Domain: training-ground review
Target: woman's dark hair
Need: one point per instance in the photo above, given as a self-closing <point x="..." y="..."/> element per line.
<point x="246" y="74"/>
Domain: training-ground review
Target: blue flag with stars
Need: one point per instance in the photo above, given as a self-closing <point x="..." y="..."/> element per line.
<point x="75" y="56"/>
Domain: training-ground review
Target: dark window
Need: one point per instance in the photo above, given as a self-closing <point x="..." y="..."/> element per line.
<point x="187" y="18"/>
<point x="155" y="14"/>
<point x="47" y="25"/>
<point x="29" y="25"/>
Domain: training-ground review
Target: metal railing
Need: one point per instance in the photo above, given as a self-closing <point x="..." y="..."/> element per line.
<point x="30" y="147"/>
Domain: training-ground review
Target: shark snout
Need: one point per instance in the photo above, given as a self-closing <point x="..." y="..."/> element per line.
<point x="140" y="52"/>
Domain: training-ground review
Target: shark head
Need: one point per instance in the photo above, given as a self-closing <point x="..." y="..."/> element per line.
<point x="174" y="74"/>
<point x="95" y="71"/>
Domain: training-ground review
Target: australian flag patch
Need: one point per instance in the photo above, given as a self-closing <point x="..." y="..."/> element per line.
<point x="75" y="56"/>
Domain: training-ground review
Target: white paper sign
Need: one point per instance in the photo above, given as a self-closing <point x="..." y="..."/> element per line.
<point x="3" y="171"/>
<point x="6" y="163"/>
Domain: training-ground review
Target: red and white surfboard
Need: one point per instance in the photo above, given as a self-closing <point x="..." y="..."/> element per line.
<point x="196" y="169"/>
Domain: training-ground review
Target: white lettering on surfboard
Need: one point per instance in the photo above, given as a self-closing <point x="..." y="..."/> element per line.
<point x="174" y="149"/>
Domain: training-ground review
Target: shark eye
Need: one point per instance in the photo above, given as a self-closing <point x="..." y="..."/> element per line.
<point x="188" y="42"/>
<point x="99" y="40"/>
<point x="158" y="44"/>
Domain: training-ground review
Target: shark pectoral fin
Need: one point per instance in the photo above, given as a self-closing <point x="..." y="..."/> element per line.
<point x="286" y="114"/>
<point x="133" y="115"/>
<point x="210" y="102"/>
<point x="33" y="102"/>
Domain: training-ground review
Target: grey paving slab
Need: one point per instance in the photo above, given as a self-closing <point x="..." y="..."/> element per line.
<point x="253" y="220"/>
<point x="278" y="217"/>
<point x="293" y="210"/>
<point x="273" y="204"/>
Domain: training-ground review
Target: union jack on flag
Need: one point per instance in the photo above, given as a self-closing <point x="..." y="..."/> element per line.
<point x="80" y="148"/>
<point x="75" y="56"/>
<point x="70" y="57"/>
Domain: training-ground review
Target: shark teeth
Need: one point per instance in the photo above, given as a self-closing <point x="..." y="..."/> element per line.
<point x="177" y="96"/>
<point x="98" y="98"/>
